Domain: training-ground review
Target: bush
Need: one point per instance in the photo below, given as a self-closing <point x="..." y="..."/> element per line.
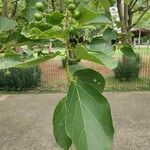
<point x="128" y="68"/>
<point x="19" y="79"/>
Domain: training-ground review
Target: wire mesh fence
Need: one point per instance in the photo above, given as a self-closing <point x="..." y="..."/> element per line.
<point x="53" y="77"/>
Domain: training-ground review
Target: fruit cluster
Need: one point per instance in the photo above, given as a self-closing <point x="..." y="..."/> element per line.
<point x="39" y="15"/>
<point x="72" y="8"/>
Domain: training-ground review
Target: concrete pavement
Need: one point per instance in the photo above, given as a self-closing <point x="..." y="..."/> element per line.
<point x="25" y="121"/>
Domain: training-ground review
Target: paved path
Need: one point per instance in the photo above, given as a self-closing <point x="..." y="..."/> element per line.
<point x="25" y="121"/>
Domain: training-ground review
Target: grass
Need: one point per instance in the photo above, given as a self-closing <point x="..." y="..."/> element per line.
<point x="112" y="85"/>
<point x="141" y="84"/>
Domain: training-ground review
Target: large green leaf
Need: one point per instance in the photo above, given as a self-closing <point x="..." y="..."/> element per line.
<point x="15" y="38"/>
<point x="90" y="17"/>
<point x="38" y="60"/>
<point x="110" y="34"/>
<point x="35" y="33"/>
<point x="59" y="130"/>
<point x="88" y="118"/>
<point x="6" y="24"/>
<point x="14" y="60"/>
<point x="101" y="45"/>
<point x="55" y="18"/>
<point x="82" y="52"/>
<point x="92" y="78"/>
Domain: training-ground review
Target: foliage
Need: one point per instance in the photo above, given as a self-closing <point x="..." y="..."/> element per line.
<point x="128" y="68"/>
<point x="18" y="79"/>
<point x="83" y="117"/>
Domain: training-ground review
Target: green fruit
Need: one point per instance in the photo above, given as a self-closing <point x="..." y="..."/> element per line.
<point x="38" y="16"/>
<point x="71" y="7"/>
<point x="39" y="6"/>
<point x="76" y="14"/>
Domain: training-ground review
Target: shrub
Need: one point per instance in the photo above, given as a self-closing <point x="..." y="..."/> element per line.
<point x="19" y="79"/>
<point x="128" y="68"/>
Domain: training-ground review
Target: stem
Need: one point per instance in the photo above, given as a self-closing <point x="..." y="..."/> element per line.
<point x="14" y="9"/>
<point x="61" y="5"/>
<point x="53" y="4"/>
<point x="133" y="4"/>
<point x="5" y="5"/>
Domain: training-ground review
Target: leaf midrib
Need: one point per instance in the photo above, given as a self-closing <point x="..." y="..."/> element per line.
<point x="91" y="112"/>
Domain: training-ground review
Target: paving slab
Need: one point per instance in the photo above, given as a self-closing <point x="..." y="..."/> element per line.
<point x="26" y="121"/>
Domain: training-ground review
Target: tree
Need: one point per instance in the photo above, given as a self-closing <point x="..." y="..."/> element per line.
<point x="127" y="9"/>
<point x="83" y="116"/>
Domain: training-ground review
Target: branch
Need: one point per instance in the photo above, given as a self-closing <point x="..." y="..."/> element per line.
<point x="139" y="9"/>
<point x="132" y="6"/>
<point x="14" y="9"/>
<point x="4" y="11"/>
<point x="140" y="17"/>
<point x="53" y="4"/>
<point x="126" y="15"/>
<point x="131" y="2"/>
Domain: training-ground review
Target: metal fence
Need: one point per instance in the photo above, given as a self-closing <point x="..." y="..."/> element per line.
<point x="53" y="77"/>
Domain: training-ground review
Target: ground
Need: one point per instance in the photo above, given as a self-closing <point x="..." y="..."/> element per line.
<point x="25" y="121"/>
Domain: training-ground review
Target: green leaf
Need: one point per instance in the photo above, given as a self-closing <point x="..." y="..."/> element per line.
<point x="30" y="10"/>
<point x="15" y="38"/>
<point x="35" y="33"/>
<point x="55" y="18"/>
<point x="59" y="130"/>
<point x="11" y="59"/>
<point x="38" y="60"/>
<point x="88" y="118"/>
<point x="82" y="52"/>
<point x="92" y="78"/>
<point x="128" y="51"/>
<point x="90" y="17"/>
<point x="110" y="34"/>
<point x="6" y="24"/>
<point x="101" y="45"/>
